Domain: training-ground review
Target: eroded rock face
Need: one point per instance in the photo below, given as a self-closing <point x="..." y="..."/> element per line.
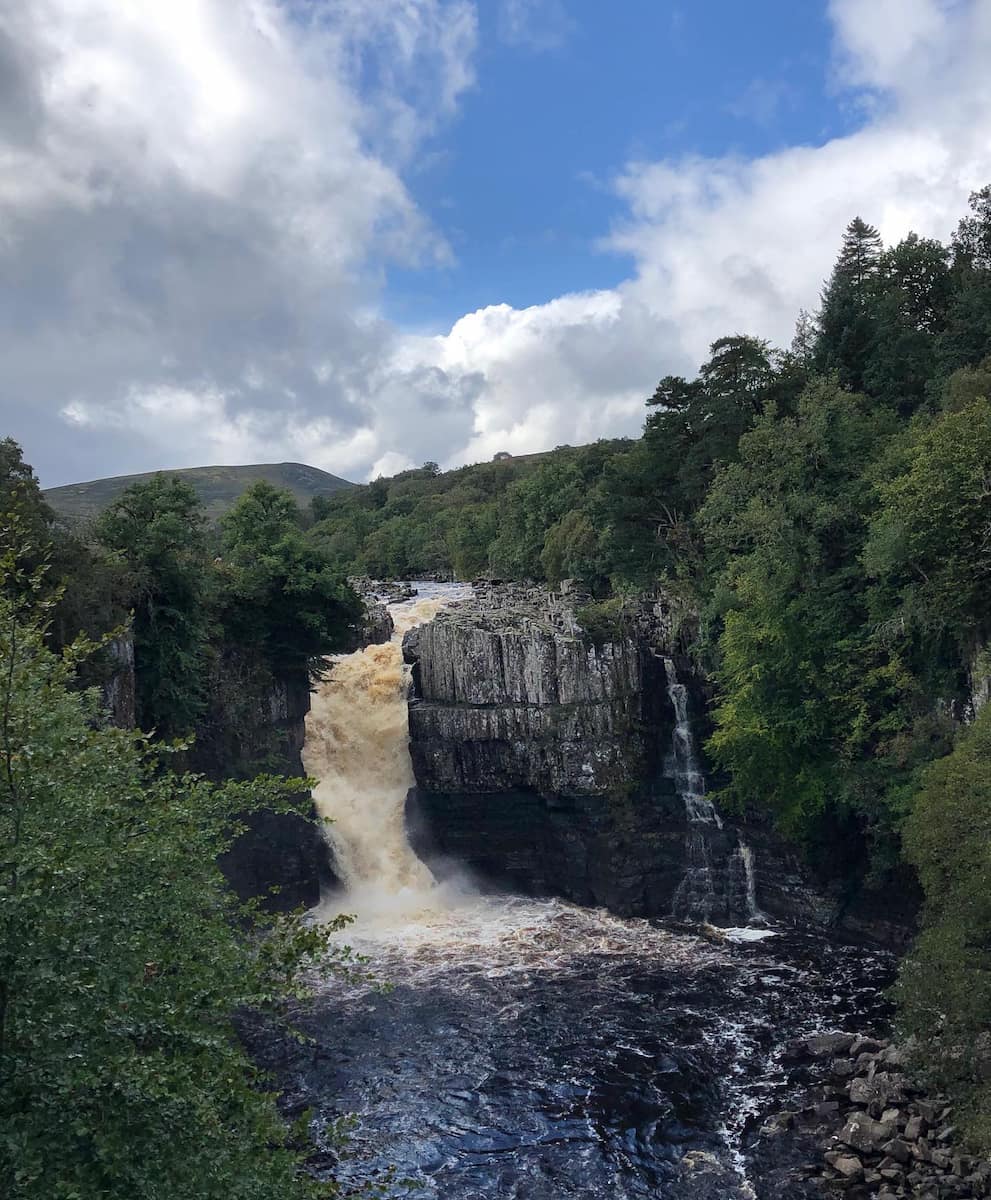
<point x="281" y="857"/>
<point x="119" y="690"/>
<point x="508" y="694"/>
<point x="539" y="755"/>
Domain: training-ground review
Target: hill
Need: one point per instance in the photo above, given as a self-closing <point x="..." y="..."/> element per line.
<point x="218" y="487"/>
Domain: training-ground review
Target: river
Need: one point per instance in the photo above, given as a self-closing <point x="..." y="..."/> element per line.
<point x="529" y="1048"/>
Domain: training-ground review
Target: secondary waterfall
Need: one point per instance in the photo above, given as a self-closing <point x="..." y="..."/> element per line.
<point x="719" y="883"/>
<point x="357" y="747"/>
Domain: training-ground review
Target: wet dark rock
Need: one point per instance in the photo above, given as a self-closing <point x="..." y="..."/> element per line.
<point x="281" y="857"/>
<point x="377" y="625"/>
<point x="863" y="1133"/>
<point x="539" y="754"/>
<point x="848" y="1165"/>
<point x="880" y="1119"/>
<point x="385" y="591"/>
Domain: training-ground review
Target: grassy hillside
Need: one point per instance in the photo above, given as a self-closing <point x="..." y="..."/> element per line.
<point x="218" y="487"/>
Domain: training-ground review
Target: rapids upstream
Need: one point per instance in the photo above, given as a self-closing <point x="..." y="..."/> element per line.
<point x="530" y="1048"/>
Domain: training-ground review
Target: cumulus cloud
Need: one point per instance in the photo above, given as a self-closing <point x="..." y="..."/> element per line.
<point x="197" y="201"/>
<point x="194" y="206"/>
<point x="740" y="245"/>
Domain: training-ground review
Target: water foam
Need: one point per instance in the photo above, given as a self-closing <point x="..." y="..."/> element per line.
<point x="357" y="747"/>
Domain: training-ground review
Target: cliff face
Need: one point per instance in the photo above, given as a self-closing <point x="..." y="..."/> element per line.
<point x="257" y="724"/>
<point x="119" y="694"/>
<point x="539" y="755"/>
<point x="551" y="764"/>
<point x="509" y="700"/>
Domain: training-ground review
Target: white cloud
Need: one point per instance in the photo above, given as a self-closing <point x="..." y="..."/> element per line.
<point x="534" y="24"/>
<point x="734" y="245"/>
<point x="197" y="199"/>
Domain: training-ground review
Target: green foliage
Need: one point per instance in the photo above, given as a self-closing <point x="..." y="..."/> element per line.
<point x="158" y="533"/>
<point x="25" y="518"/>
<point x="801" y="688"/>
<point x="279" y="590"/>
<point x="605" y="621"/>
<point x="123" y="958"/>
<point x="492" y="518"/>
<point x="944" y="985"/>
<point x="846" y="320"/>
<point x="929" y="541"/>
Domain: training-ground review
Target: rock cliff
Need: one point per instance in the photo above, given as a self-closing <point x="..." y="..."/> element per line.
<point x="258" y="724"/>
<point x="554" y="762"/>
<point x="539" y="753"/>
<point x="118" y="689"/>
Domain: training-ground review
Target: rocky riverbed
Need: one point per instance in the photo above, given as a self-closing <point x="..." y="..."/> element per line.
<point x="870" y="1128"/>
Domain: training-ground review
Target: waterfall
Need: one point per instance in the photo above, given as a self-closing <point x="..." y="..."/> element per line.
<point x="357" y="747"/>
<point x="683" y="764"/>
<point x="754" y="914"/>
<point x="719" y="883"/>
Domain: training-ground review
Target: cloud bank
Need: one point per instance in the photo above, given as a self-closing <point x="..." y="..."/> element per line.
<point x="198" y="202"/>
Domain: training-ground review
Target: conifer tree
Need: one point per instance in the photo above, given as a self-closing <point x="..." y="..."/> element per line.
<point x="846" y="324"/>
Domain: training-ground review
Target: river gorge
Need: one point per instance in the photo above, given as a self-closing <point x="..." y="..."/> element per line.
<point x="575" y="1006"/>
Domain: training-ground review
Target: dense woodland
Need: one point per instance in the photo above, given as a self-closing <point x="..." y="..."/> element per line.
<point x="825" y="509"/>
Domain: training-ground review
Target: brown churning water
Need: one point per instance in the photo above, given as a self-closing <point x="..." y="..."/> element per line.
<point x="357" y="746"/>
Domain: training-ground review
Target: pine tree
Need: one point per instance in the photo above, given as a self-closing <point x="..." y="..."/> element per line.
<point x="846" y="325"/>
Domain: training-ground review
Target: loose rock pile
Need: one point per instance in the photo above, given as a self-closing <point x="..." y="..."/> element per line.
<point x="881" y="1135"/>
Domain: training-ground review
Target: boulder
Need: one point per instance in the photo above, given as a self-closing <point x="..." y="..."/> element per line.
<point x="897" y="1150"/>
<point x="865" y="1134"/>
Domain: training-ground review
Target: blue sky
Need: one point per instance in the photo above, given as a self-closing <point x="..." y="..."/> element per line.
<point x="364" y="234"/>
<point x="522" y="180"/>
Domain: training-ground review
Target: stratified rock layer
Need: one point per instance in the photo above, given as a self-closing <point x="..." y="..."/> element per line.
<point x="543" y="760"/>
<point x="539" y="754"/>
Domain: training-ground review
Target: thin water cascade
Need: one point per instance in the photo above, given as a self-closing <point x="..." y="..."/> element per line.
<point x="754" y="914"/>
<point x="719" y="883"/>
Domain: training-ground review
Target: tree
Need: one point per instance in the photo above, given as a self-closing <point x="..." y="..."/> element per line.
<point x="123" y="958"/>
<point x="280" y="591"/>
<point x="845" y="322"/>
<point x="570" y="549"/>
<point x="157" y="531"/>
<point x="802" y="688"/>
<point x="739" y="372"/>
<point x="26" y="520"/>
<point x="910" y="308"/>
<point x="967" y="336"/>
<point x="972" y="240"/>
<point x="930" y="541"/>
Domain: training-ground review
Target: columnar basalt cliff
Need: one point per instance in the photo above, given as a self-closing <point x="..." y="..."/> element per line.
<point x="542" y="756"/>
<point x="552" y="762"/>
